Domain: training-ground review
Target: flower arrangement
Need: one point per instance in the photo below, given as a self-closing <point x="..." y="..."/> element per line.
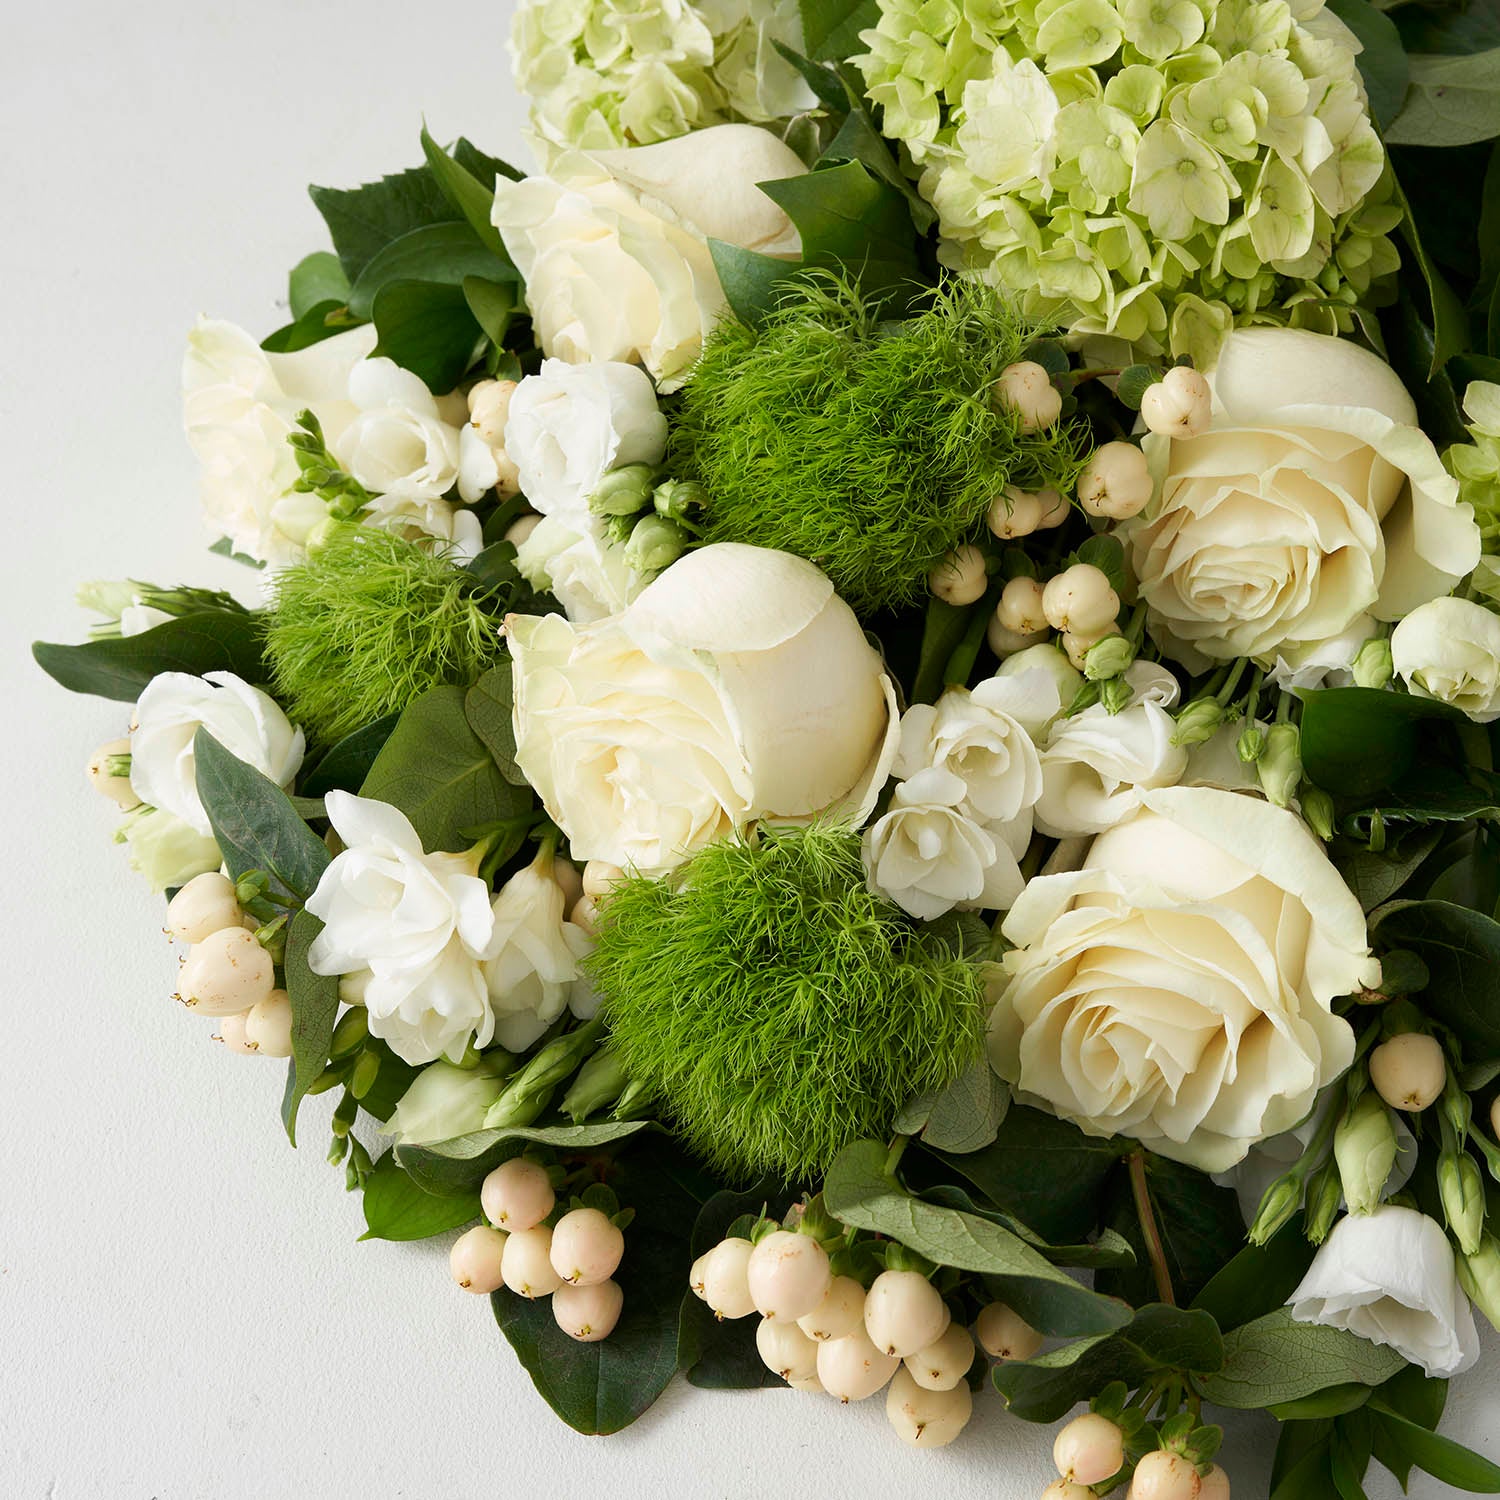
<point x="863" y="759"/>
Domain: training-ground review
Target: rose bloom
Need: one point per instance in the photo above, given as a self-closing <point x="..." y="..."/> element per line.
<point x="1312" y="505"/>
<point x="1449" y="649"/>
<point x="1178" y="987"/>
<point x="738" y="686"/>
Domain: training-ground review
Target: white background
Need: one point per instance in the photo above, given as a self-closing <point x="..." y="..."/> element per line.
<point x="184" y="1312"/>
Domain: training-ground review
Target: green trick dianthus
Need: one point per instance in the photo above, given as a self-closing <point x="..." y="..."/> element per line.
<point x="775" y="1005"/>
<point x="870" y="448"/>
<point x="366" y="624"/>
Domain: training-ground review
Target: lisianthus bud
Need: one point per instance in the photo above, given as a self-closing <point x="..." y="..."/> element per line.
<point x="1014" y="513"/>
<point x="676" y="497"/>
<point x="1277" y="1205"/>
<point x="1409" y="1070"/>
<point x="1317" y="810"/>
<point x="109" y="774"/>
<point x="623" y="492"/>
<point x="1372" y="666"/>
<point x="655" y="543"/>
<point x="1495" y="1116"/>
<point x="489" y="409"/>
<point x="1026" y="389"/>
<point x="1115" y="694"/>
<point x="1179" y="405"/>
<point x="1198" y="722"/>
<point x="1089" y="1449"/>
<point x="1480" y="1275"/>
<point x="1280" y="763"/>
<point x="599" y="1083"/>
<point x="1080" y="601"/>
<point x="1116" y="482"/>
<point x="1020" y="607"/>
<point x="961" y="577"/>
<point x="1251" y="744"/>
<point x="444" y="1101"/>
<point x="164" y="848"/>
<point x="1108" y="658"/>
<point x="1462" y="1190"/>
<point x="1324" y="1194"/>
<point x="1364" y="1145"/>
<point x="1051" y="660"/>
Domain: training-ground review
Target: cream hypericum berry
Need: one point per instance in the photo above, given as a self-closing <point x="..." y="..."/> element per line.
<point x="904" y="1313"/>
<point x="268" y="1025"/>
<point x="786" y="1351"/>
<point x="588" y="1313"/>
<point x="927" y="1418"/>
<point x="944" y="1362"/>
<point x="232" y="1034"/>
<point x="205" y="905"/>
<point x="528" y="1263"/>
<point x="788" y="1275"/>
<point x="852" y="1368"/>
<point x="226" y="973"/>
<point x="726" y="1285"/>
<point x="1026" y="389"/>
<point x="1116" y="482"/>
<point x="1090" y="1448"/>
<point x="475" y="1259"/>
<point x="1015" y="513"/>
<point x="1409" y="1070"/>
<point x="1020" y="608"/>
<point x="841" y="1311"/>
<point x="517" y="1194"/>
<point x="1179" y="405"/>
<point x="1165" y="1476"/>
<point x="1004" y="1334"/>
<point x="961" y="577"/>
<point x="586" y="1247"/>
<point x="1081" y="600"/>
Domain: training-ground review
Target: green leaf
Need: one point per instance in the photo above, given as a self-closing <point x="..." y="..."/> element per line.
<point x="963" y="1117"/>
<point x="441" y="253"/>
<point x="1336" y="1401"/>
<point x="427" y="328"/>
<point x="397" y="1209"/>
<point x="1275" y="1359"/>
<point x="1109" y="1252"/>
<point x="1107" y="553"/>
<point x="465" y="192"/>
<point x="211" y="640"/>
<point x="315" y="1007"/>
<point x="481" y="165"/>
<point x="1461" y="949"/>
<point x="1430" y="794"/>
<point x="254" y="823"/>
<point x="488" y="706"/>
<point x="751" y="281"/>
<point x="441" y="774"/>
<point x="1452" y="101"/>
<point x="493" y="303"/>
<point x="316" y="278"/>
<point x="322" y="321"/>
<point x="830" y="91"/>
<point x="460" y="1165"/>
<point x="1449" y="321"/>
<point x="943" y="628"/>
<point x="1357" y="741"/>
<point x="1257" y="1280"/>
<point x="347" y="763"/>
<point x="1436" y="1455"/>
<point x="1157" y="1338"/>
<point x="1376" y="876"/>
<point x="831" y="28"/>
<point x="364" y="220"/>
<point x="860" y="1193"/>
<point x="1382" y="63"/>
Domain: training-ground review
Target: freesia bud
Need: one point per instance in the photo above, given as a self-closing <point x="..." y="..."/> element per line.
<point x="1324" y="1194"/>
<point x="109" y="774"/>
<point x="489" y="409"/>
<point x="1364" y="1145"/>
<point x="655" y="543"/>
<point x="598" y="1084"/>
<point x="1409" y="1070"/>
<point x="677" y="497"/>
<point x="1081" y="601"/>
<point x="521" y="528"/>
<point x="1198" y="722"/>
<point x="1179" y="405"/>
<point x="1479" y="1274"/>
<point x="1372" y="666"/>
<point x="1020" y="607"/>
<point x="1277" y="1205"/>
<point x="1280" y="763"/>
<point x="961" y="577"/>
<point x="1461" y="1188"/>
<point x="1026" y="389"/>
<point x="1014" y="513"/>
<point x="1116" y="482"/>
<point x="1108" y="658"/>
<point x="623" y="492"/>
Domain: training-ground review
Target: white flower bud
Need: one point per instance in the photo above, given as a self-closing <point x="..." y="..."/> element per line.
<point x="904" y="1313"/>
<point x="1026" y="389"/>
<point x="489" y="409"/>
<point x="927" y="1418"/>
<point x="1408" y="1071"/>
<point x="852" y="1368"/>
<point x="1115" y="482"/>
<point x="1090" y="1448"/>
<point x="1020" y="607"/>
<point x="268" y="1024"/>
<point x="205" y="905"/>
<point x="116" y="788"/>
<point x="841" y="1311"/>
<point x="521" y="528"/>
<point x="1005" y="642"/>
<point x="726" y="1285"/>
<point x="1179" y="405"/>
<point x="1214" y="1485"/>
<point x="586" y="1247"/>
<point x="569" y="880"/>
<point x="1014" y="513"/>
<point x="588" y="1313"/>
<point x="352" y="986"/>
<point x="232" y="1034"/>
<point x="1003" y="1334"/>
<point x="1165" y="1476"/>
<point x="226" y="973"/>
<point x="1080" y="600"/>
<point x="527" y="1263"/>
<point x="788" y="1275"/>
<point x="786" y="1351"/>
<point x="1050" y="659"/>
<point x="961" y="577"/>
<point x="585" y="913"/>
<point x="600" y="877"/>
<point x="1495" y="1116"/>
<point x="474" y="1261"/>
<point x="517" y="1194"/>
<point x="945" y="1361"/>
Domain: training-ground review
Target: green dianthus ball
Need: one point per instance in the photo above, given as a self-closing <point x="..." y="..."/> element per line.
<point x="775" y="1005"/>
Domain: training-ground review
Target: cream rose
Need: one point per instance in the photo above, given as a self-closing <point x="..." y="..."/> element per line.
<point x="1449" y="649"/>
<point x="613" y="245"/>
<point x="1312" y="504"/>
<point x="1178" y="987"/>
<point x="738" y="686"/>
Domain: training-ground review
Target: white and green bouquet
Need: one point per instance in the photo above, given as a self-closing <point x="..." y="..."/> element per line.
<point x="865" y="746"/>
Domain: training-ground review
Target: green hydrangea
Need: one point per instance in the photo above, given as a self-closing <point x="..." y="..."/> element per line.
<point x="1476" y="464"/>
<point x="605" y="73"/>
<point x="1153" y="170"/>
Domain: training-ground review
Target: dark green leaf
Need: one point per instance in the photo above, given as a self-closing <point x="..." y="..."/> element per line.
<point x="830" y="91"/>
<point x="831" y="28"/>
<point x="397" y="1209"/>
<point x="943" y="628"/>
<point x="858" y="139"/>
<point x="345" y="766"/>
<point x="1382" y="63"/>
<point x="1357" y="741"/>
<point x="1297" y="1443"/>
<point x="427" y="328"/>
<point x="488" y="705"/>
<point x="315" y="1007"/>
<point x="751" y="281"/>
<point x="211" y="640"/>
<point x="364" y="220"/>
<point x="1436" y="1455"/>
<point x="1258" y="1280"/>
<point x="321" y="321"/>
<point x="441" y="253"/>
<point x="481" y="166"/>
<point x="493" y="303"/>
<point x="1451" y="102"/>
<point x="224" y="547"/>
<point x="1333" y="1402"/>
<point x="473" y="199"/>
<point x="1349" y="1454"/>
<point x="316" y="278"/>
<point x="1376" y="876"/>
<point x="1109" y="1251"/>
<point x="1448" y="320"/>
<point x="1461" y="949"/>
<point x="460" y="1165"/>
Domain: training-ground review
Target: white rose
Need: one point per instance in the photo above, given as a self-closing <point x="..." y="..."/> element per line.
<point x="1449" y="649"/>
<point x="1178" y="987"/>
<point x="569" y="425"/>
<point x="613" y="246"/>
<point x="531" y="964"/>
<point x="239" y="404"/>
<point x="164" y="849"/>
<point x="244" y="720"/>
<point x="738" y="686"/>
<point x="1389" y="1276"/>
<point x="445" y="1101"/>
<point x="928" y="855"/>
<point x="1312" y="503"/>
<point x="418" y="922"/>
<point x="575" y="559"/>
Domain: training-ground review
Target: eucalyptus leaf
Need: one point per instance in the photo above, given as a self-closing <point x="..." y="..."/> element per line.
<point x="751" y="281"/>
<point x="461" y="1164"/>
<point x="493" y="303"/>
<point x="362" y="221"/>
<point x="323" y="320"/>
<point x="488" y="705"/>
<point x="397" y="1209"/>
<point x="1375" y="876"/>
<point x="315" y="1006"/>
<point x="441" y="253"/>
<point x="963" y="1117"/>
<point x="316" y="278"/>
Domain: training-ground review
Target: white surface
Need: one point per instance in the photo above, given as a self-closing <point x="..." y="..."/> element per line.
<point x="184" y="1312"/>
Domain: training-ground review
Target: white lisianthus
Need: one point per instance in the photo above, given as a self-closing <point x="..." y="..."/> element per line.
<point x="445" y="1101"/>
<point x="244" y="720"/>
<point x="1178" y="988"/>
<point x="1389" y="1276"/>
<point x="531" y="964"/>
<point x="928" y="855"/>
<point x="164" y="849"/>
<point x="239" y="404"/>
<point x="1449" y="649"/>
<point x="613" y="245"/>
<point x="1313" y="504"/>
<point x="577" y="561"/>
<point x="418" y="922"/>
<point x="738" y="686"/>
<point x="569" y="425"/>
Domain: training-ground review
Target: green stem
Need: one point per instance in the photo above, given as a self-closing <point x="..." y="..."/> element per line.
<point x="894" y="1155"/>
<point x="1156" y="1249"/>
<point x="1231" y="682"/>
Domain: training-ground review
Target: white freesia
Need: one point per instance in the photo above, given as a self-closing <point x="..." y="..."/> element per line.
<point x="244" y="720"/>
<point x="445" y="1101"/>
<point x="1389" y="1276"/>
<point x="569" y="425"/>
<point x="613" y="246"/>
<point x="164" y="849"/>
<point x="418" y="922"/>
<point x="1449" y="649"/>
<point x="239" y="404"/>
<point x="1178" y="987"/>
<point x="577" y="561"/>
<point x="1313" y="504"/>
<point x="738" y="686"/>
<point x="1095" y="764"/>
<point x="531" y="964"/>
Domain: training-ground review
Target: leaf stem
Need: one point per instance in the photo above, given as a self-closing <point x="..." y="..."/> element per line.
<point x="1156" y="1250"/>
<point x="894" y="1155"/>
